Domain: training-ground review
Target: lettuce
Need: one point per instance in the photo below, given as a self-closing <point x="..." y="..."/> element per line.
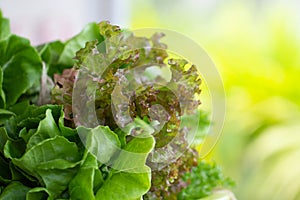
<point x="20" y="69"/>
<point x="43" y="155"/>
<point x="4" y="27"/>
<point x="44" y="161"/>
<point x="14" y="190"/>
<point x="59" y="55"/>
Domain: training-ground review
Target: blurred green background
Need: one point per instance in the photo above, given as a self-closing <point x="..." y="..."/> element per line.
<point x="256" y="47"/>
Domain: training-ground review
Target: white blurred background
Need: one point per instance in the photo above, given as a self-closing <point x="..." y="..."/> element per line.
<point x="47" y="20"/>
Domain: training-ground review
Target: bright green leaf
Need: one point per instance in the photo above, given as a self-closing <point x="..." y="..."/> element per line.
<point x="47" y="129"/>
<point x="133" y="157"/>
<point x="81" y="187"/>
<point x="90" y="32"/>
<point x="133" y="185"/>
<point x="4" y="27"/>
<point x="59" y="56"/>
<point x="2" y="94"/>
<point x="52" y="161"/>
<point x="101" y="141"/>
<point x="21" y="66"/>
<point x="125" y="186"/>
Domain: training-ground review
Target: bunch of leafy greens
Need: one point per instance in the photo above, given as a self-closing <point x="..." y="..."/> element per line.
<point x="41" y="154"/>
<point x="43" y="159"/>
<point x="202" y="180"/>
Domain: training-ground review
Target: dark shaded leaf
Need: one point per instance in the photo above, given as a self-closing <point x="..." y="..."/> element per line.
<point x="38" y="194"/>
<point x="15" y="191"/>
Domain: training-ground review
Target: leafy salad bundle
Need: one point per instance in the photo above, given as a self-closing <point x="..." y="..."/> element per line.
<point x="50" y="149"/>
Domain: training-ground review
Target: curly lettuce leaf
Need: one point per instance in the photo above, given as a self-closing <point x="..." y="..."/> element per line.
<point x="167" y="182"/>
<point x="106" y="67"/>
<point x="202" y="180"/>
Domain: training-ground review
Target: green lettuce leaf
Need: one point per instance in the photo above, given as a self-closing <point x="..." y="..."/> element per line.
<point x="21" y="68"/>
<point x="132" y="178"/>
<point x="123" y="185"/>
<point x="4" y="27"/>
<point x="129" y="178"/>
<point x="38" y="193"/>
<point x="2" y="94"/>
<point x="102" y="142"/>
<point x="47" y="129"/>
<point x="37" y="153"/>
<point x="59" y="56"/>
<point x="133" y="157"/>
<point x="31" y="115"/>
<point x="5" y="175"/>
<point x="15" y="191"/>
<point x="5" y="114"/>
<point x="53" y="162"/>
<point x="3" y="138"/>
<point x="88" y="178"/>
